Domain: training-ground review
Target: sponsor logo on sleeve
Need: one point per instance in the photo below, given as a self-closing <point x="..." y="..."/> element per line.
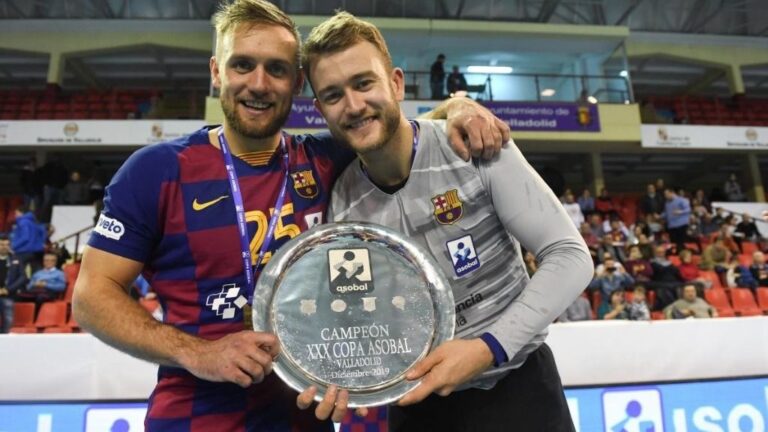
<point x="109" y="227"/>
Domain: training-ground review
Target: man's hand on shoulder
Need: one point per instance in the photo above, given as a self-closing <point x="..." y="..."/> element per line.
<point x="469" y="122"/>
<point x="244" y="358"/>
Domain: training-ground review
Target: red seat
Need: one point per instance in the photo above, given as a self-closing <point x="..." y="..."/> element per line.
<point x="657" y="315"/>
<point x="744" y="303"/>
<point x="675" y="260"/>
<point x="762" y="298"/>
<point x="745" y="259"/>
<point x="52" y="314"/>
<point x="23" y="318"/>
<point x="719" y="300"/>
<point x="712" y="276"/>
<point x="748" y="248"/>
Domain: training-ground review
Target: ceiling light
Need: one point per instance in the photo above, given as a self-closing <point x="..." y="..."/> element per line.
<point x="624" y="74"/>
<point x="490" y="69"/>
<point x="548" y="92"/>
<point x="592" y="100"/>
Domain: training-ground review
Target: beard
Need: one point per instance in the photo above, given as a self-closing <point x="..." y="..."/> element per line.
<point x="272" y="127"/>
<point x="390" y="120"/>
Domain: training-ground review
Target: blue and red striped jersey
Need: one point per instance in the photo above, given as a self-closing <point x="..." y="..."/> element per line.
<point x="170" y="206"/>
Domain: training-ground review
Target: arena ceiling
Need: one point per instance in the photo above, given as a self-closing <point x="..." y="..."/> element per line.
<point x="169" y="68"/>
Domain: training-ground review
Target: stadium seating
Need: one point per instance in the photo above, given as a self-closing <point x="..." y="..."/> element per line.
<point x="52" y="314"/>
<point x="23" y="318"/>
<point x="719" y="300"/>
<point x="762" y="299"/>
<point x="744" y="303"/>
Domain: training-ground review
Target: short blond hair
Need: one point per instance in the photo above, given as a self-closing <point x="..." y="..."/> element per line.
<point x="230" y="15"/>
<point x="339" y="33"/>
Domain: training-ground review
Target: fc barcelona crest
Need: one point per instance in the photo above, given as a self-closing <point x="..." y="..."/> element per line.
<point x="304" y="183"/>
<point x="448" y="207"/>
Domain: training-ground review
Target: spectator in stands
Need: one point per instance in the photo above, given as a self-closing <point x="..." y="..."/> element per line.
<point x="637" y="266"/>
<point x="619" y="232"/>
<point x="747" y="228"/>
<point x="12" y="279"/>
<point x="593" y="243"/>
<point x="677" y="211"/>
<point x="28" y="238"/>
<point x="76" y="192"/>
<point x="586" y="202"/>
<point x="579" y="310"/>
<point x="604" y="204"/>
<point x="437" y="77"/>
<point x="759" y="268"/>
<point x="690" y="305"/>
<point x="613" y="307"/>
<point x="638" y="308"/>
<point x="726" y="235"/>
<point x="716" y="256"/>
<point x="732" y="189"/>
<point x="573" y="209"/>
<point x="708" y="225"/>
<point x="688" y="270"/>
<point x="456" y="82"/>
<point x="607" y="247"/>
<point x="600" y="268"/>
<point x="720" y="216"/>
<point x="54" y="180"/>
<point x="596" y="225"/>
<point x="31" y="185"/>
<point x="613" y="278"/>
<point x="645" y="245"/>
<point x="703" y="200"/>
<point x="49" y="282"/>
<point x="653" y="226"/>
<point x="739" y="275"/>
<point x="652" y="203"/>
<point x="660" y="185"/>
<point x="666" y="277"/>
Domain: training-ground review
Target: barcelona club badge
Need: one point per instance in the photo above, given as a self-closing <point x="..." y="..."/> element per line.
<point x="304" y="183"/>
<point x="448" y="207"/>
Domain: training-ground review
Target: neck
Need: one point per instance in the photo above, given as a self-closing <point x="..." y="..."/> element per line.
<point x="239" y="143"/>
<point x="390" y="165"/>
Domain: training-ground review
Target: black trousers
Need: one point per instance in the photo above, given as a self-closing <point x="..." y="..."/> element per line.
<point x="529" y="398"/>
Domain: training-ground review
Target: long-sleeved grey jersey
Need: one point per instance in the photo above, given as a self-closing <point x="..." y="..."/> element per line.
<point x="471" y="216"/>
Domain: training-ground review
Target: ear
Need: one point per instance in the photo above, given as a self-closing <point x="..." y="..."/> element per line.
<point x="398" y="83"/>
<point x="215" y="72"/>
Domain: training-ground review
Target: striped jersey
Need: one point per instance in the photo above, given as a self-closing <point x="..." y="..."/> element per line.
<point x="170" y="206"/>
<point x="472" y="217"/>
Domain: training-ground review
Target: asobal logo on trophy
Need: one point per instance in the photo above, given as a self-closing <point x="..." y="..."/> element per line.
<point x="350" y="271"/>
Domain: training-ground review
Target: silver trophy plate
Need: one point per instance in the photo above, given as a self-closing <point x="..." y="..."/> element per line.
<point x="356" y="305"/>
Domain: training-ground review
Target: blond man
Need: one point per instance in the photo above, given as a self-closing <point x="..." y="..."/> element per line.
<point x="497" y="374"/>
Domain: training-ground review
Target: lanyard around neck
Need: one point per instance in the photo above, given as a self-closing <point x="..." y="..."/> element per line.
<point x="242" y="228"/>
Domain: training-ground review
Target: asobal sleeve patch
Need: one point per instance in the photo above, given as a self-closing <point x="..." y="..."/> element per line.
<point x="109" y="227"/>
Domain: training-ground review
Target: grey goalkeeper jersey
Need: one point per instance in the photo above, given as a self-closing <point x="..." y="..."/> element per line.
<point x="471" y="216"/>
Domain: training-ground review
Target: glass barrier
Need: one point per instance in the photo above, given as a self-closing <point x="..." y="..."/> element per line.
<point x="525" y="87"/>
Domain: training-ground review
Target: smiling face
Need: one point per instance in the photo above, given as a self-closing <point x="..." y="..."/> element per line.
<point x="358" y="95"/>
<point x="256" y="70"/>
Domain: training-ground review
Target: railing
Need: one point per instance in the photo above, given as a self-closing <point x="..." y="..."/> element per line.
<point x="527" y="87"/>
<point x="76" y="235"/>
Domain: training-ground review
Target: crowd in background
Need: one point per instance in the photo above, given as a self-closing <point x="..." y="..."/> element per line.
<point x="658" y="258"/>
